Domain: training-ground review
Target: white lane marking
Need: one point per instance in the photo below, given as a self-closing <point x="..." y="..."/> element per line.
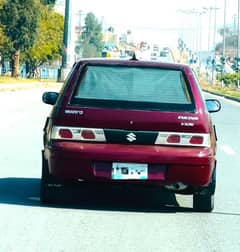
<point x="228" y="150"/>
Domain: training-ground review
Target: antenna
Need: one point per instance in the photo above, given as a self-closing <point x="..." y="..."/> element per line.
<point x="134" y="57"/>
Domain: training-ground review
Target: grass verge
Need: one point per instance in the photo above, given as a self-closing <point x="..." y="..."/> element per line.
<point x="9" y="80"/>
<point x="217" y="88"/>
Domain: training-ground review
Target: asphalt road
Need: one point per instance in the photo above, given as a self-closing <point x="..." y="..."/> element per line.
<point x="102" y="219"/>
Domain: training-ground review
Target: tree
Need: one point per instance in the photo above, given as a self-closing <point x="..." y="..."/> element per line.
<point x="19" y="19"/>
<point x="5" y="47"/>
<point x="48" y="43"/>
<point x="91" y="37"/>
<point x="4" y="43"/>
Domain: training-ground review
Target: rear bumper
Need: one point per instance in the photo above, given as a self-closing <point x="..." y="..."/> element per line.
<point x="166" y="165"/>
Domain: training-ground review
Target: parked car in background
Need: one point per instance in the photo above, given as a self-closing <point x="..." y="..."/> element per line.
<point x="131" y="121"/>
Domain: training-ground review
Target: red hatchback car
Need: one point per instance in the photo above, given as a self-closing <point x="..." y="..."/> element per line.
<point x="131" y="121"/>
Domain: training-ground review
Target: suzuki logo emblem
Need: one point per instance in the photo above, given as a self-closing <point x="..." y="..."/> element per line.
<point x="131" y="137"/>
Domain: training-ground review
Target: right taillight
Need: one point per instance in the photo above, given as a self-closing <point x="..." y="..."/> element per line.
<point x="196" y="140"/>
<point x="183" y="139"/>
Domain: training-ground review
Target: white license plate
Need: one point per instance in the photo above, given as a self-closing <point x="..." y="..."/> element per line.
<point x="129" y="171"/>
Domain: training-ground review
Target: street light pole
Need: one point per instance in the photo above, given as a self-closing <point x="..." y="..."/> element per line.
<point x="199" y="14"/>
<point x="197" y="43"/>
<point x="215" y="29"/>
<point x="238" y="44"/>
<point x="224" y="30"/>
<point x="63" y="69"/>
<point x="209" y="26"/>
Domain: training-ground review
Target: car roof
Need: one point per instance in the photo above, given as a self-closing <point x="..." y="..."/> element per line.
<point x="132" y="62"/>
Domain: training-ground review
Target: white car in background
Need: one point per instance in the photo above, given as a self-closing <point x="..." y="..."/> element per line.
<point x="154" y="55"/>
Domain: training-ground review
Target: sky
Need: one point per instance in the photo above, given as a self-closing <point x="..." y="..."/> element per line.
<point x="158" y="21"/>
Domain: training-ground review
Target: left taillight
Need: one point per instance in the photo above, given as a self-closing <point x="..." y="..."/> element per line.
<point x="78" y="134"/>
<point x="65" y="133"/>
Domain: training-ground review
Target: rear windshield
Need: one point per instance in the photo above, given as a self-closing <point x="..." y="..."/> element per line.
<point x="133" y="88"/>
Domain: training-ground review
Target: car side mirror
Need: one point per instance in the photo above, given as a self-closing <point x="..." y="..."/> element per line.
<point x="50" y="97"/>
<point x="213" y="105"/>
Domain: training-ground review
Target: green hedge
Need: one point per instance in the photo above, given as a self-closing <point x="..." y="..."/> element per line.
<point x="229" y="79"/>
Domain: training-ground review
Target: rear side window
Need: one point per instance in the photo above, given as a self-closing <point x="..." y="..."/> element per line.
<point x="133" y="87"/>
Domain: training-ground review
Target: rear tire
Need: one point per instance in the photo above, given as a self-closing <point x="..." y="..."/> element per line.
<point x="48" y="186"/>
<point x="203" y="200"/>
<point x="44" y="190"/>
<point x="203" y="203"/>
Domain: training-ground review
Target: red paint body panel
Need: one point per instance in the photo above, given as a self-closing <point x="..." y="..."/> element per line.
<point x="144" y="120"/>
<point x="72" y="160"/>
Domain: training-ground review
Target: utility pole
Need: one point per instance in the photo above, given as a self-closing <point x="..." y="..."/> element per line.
<point x="223" y="58"/>
<point x="238" y="30"/>
<point x="214" y="40"/>
<point x="64" y="67"/>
